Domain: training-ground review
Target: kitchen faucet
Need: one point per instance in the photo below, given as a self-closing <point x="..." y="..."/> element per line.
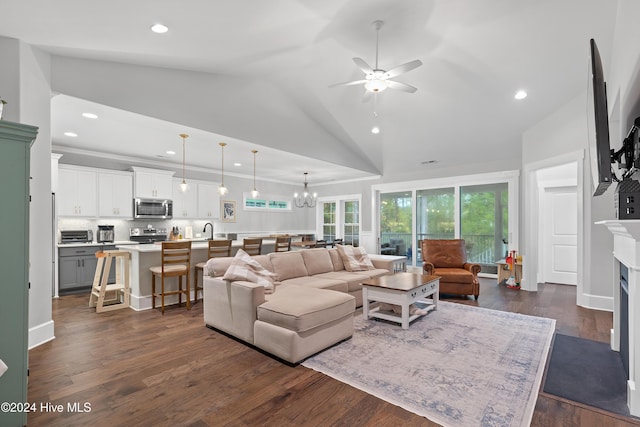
<point x="204" y="230"/>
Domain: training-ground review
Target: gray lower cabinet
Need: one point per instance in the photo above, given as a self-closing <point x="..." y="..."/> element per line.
<point x="77" y="267"/>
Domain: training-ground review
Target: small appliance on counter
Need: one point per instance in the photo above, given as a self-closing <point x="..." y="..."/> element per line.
<point x="76" y="236"/>
<point x="147" y="235"/>
<point x="106" y="234"/>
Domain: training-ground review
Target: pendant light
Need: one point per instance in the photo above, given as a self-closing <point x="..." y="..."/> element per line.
<point x="183" y="185"/>
<point x="254" y="192"/>
<point x="305" y="199"/>
<point x="222" y="189"/>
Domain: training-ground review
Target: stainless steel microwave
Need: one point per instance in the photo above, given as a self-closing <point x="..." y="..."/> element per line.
<point x="152" y="209"/>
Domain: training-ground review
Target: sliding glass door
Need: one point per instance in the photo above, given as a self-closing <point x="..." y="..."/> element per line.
<point x="481" y="209"/>
<point x="484" y="215"/>
<point x="435" y="214"/>
<point x="396" y="223"/>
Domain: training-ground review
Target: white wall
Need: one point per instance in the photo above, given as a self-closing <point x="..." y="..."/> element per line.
<point x="27" y="83"/>
<point x="251" y="110"/>
<point x="563" y="132"/>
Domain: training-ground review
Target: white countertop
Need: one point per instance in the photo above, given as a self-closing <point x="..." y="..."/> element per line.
<point x="89" y="244"/>
<point x="196" y="244"/>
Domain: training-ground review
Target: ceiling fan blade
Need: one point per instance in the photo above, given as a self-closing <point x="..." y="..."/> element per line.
<point x="355" y="82"/>
<point x="401" y="86"/>
<point x="401" y="69"/>
<point x="363" y="65"/>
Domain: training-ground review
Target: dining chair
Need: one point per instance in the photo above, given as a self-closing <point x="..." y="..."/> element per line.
<point x="321" y="243"/>
<point x="283" y="244"/>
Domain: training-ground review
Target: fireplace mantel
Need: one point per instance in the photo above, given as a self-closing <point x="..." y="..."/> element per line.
<point x="626" y="251"/>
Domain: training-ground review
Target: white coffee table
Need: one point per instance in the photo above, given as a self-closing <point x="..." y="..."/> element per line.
<point x="401" y="289"/>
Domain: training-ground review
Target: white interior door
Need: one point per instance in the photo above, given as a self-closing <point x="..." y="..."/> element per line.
<point x="561" y="230"/>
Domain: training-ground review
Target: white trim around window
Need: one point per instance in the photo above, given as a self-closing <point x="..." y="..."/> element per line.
<point x="339" y="201"/>
<point x="510" y="177"/>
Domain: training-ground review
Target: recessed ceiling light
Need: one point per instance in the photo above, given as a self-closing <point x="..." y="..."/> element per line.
<point x="159" y="28"/>
<point x="375" y="130"/>
<point x="71" y="134"/>
<point x="237" y="164"/>
<point x="170" y="152"/>
<point x="521" y="94"/>
<point x="90" y="115"/>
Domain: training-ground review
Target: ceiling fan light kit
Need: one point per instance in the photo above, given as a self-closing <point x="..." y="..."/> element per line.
<point x="377" y="80"/>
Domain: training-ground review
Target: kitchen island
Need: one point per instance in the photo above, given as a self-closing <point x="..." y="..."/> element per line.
<point x="144" y="256"/>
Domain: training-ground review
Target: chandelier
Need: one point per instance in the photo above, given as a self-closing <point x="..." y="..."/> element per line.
<point x="305" y="199"/>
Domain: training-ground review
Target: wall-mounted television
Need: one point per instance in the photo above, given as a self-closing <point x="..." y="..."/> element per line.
<point x="598" y="122"/>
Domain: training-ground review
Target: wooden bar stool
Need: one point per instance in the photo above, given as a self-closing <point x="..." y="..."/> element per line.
<point x="216" y="249"/>
<point x="252" y="246"/>
<point x="176" y="262"/>
<point x="283" y="244"/>
<point x="110" y="296"/>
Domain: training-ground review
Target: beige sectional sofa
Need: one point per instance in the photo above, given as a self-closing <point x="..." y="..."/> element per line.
<point x="311" y="309"/>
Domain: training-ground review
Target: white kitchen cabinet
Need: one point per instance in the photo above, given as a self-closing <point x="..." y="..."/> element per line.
<point x="115" y="194"/>
<point x="77" y="191"/>
<point x="185" y="205"/>
<point x="152" y="183"/>
<point x="208" y="201"/>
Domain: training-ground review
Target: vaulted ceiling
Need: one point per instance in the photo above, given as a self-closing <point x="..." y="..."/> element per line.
<point x="476" y="54"/>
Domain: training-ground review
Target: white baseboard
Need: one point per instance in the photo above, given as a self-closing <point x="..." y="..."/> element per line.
<point x="140" y="303"/>
<point x="41" y="334"/>
<point x="597" y="302"/>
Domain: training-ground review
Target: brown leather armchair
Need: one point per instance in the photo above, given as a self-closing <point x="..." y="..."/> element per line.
<point x="448" y="260"/>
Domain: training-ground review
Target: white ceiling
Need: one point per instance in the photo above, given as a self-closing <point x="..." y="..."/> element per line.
<point x="476" y="55"/>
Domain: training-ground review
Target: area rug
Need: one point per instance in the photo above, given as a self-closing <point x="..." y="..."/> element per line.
<point x="587" y="372"/>
<point x="457" y="366"/>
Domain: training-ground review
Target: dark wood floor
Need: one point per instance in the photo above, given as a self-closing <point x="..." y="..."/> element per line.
<point x="141" y="368"/>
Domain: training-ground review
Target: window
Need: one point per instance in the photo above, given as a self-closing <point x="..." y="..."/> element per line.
<point x="266" y="202"/>
<point x="339" y="217"/>
<point x="351" y="222"/>
<point x="329" y="221"/>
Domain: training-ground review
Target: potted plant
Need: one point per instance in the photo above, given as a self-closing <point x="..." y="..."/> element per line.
<point x="2" y="102"/>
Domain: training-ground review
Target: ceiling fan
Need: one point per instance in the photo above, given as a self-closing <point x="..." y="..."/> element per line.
<point x="377" y="80"/>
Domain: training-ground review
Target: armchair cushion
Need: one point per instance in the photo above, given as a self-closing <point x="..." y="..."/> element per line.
<point x="454" y="275"/>
<point x="445" y="253"/>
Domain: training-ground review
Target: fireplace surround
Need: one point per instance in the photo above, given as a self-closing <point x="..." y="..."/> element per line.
<point x="625" y="335"/>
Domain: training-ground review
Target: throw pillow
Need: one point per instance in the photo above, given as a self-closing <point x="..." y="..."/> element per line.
<point x="217" y="266"/>
<point x="244" y="267"/>
<point x="355" y="259"/>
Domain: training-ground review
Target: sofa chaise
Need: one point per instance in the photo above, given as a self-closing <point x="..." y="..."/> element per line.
<point x="311" y="308"/>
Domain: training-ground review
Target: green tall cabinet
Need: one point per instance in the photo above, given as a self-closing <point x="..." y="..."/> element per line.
<point x="15" y="146"/>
